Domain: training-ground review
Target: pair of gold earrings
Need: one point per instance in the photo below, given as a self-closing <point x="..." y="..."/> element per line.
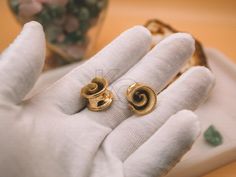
<point x="141" y="99"/>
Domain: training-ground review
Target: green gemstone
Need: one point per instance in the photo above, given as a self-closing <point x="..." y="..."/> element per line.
<point x="84" y="14"/>
<point x="213" y="136"/>
<point x="74" y="37"/>
<point x="94" y="11"/>
<point x="102" y="4"/>
<point x="14" y="4"/>
<point x="44" y="17"/>
<point x="91" y="2"/>
<point x="84" y="27"/>
<point x="56" y="11"/>
<point x="52" y="32"/>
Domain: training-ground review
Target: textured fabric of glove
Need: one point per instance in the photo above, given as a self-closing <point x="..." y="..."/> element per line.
<point x="53" y="134"/>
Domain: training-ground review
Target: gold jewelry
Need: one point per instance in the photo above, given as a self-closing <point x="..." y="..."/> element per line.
<point x="141" y="98"/>
<point x="98" y="96"/>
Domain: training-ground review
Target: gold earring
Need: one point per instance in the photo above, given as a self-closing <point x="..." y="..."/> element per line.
<point x="141" y="98"/>
<point x="98" y="96"/>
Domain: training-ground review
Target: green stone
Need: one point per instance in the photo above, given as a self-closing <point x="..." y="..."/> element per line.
<point x="52" y="32"/>
<point x="44" y="17"/>
<point x="56" y="11"/>
<point x="14" y="4"/>
<point x="213" y="136"/>
<point x="84" y="14"/>
<point x="84" y="26"/>
<point x="102" y="4"/>
<point x="90" y="2"/>
<point x="73" y="37"/>
<point x="94" y="11"/>
<point x="70" y="5"/>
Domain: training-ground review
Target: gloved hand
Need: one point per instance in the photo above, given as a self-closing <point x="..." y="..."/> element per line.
<point x="53" y="134"/>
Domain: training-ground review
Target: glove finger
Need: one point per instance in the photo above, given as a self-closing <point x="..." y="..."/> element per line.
<point x="155" y="69"/>
<point x="165" y="148"/>
<point x="185" y="93"/>
<point x="113" y="61"/>
<point x="21" y="63"/>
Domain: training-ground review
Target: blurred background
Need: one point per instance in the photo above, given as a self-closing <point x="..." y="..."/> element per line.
<point x="212" y="22"/>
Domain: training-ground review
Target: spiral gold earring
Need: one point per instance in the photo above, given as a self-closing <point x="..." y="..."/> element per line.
<point x="141" y="98"/>
<point x="98" y="96"/>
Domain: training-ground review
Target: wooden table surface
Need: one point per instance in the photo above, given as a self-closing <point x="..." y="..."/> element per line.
<point x="213" y="22"/>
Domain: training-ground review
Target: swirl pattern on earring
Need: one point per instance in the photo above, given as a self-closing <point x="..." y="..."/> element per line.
<point x="98" y="96"/>
<point x="141" y="98"/>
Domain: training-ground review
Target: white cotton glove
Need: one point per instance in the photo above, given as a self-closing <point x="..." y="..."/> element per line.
<point x="52" y="134"/>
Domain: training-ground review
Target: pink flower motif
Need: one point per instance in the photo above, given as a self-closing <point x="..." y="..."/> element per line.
<point x="54" y="2"/>
<point x="28" y="8"/>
